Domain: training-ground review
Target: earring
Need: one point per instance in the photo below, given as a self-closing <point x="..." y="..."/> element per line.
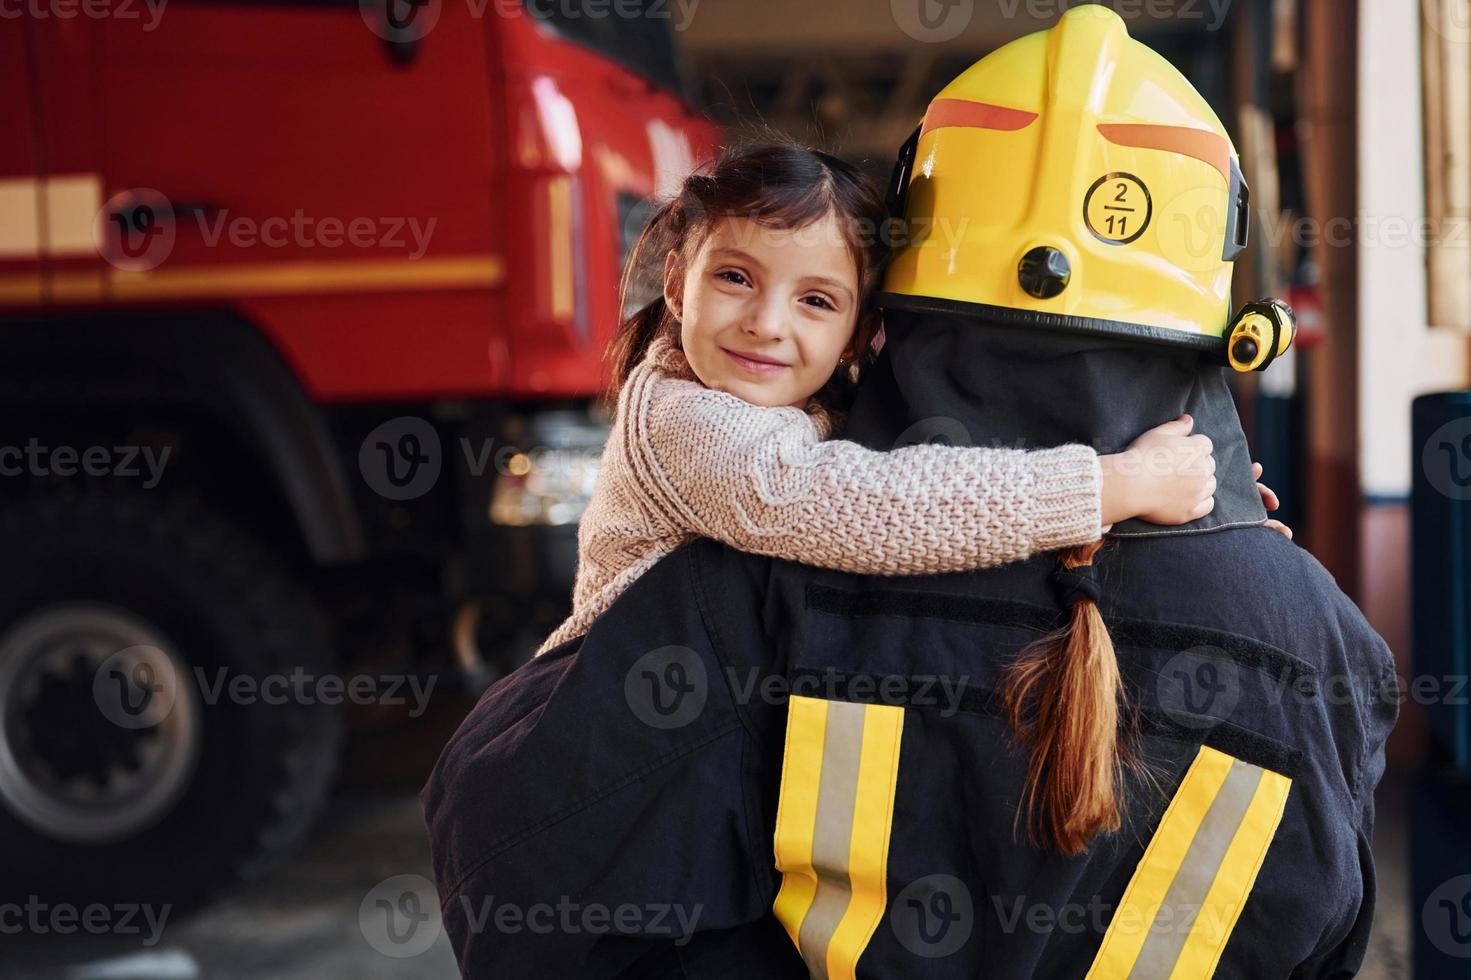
<point x="853" y="371"/>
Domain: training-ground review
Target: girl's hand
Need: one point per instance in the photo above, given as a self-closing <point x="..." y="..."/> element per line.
<point x="1166" y="476"/>
<point x="1269" y="501"/>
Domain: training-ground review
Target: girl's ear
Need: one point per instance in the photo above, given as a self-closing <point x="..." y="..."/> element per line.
<point x="674" y="284"/>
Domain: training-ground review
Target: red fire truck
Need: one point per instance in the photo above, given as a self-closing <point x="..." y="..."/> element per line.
<point x="304" y="305"/>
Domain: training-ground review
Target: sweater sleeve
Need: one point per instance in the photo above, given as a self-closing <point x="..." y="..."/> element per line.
<point x="761" y="480"/>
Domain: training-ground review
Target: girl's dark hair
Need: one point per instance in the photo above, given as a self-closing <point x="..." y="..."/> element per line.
<point x="779" y="185"/>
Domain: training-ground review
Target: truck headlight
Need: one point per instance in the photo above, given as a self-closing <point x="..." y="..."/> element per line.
<point x="553" y="482"/>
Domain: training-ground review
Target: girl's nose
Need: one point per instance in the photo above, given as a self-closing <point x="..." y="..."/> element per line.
<point x="768" y="321"/>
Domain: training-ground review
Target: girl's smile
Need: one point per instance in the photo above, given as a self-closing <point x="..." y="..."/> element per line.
<point x="752" y="362"/>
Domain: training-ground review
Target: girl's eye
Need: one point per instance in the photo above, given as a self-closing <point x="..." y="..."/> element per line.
<point x="727" y="275"/>
<point x="822" y="302"/>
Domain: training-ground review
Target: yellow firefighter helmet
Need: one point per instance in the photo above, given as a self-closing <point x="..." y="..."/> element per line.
<point x="1075" y="179"/>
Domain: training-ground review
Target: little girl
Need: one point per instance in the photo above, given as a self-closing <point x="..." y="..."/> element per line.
<point x="729" y="384"/>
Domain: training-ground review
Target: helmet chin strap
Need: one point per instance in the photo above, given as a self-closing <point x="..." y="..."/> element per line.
<point x="968" y="381"/>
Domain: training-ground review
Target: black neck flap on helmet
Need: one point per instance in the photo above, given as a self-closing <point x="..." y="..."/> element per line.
<point x="947" y="378"/>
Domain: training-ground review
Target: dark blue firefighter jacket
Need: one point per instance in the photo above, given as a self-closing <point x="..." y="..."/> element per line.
<point x="633" y="803"/>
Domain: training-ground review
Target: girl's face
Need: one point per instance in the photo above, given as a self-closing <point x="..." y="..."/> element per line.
<point x="765" y="313"/>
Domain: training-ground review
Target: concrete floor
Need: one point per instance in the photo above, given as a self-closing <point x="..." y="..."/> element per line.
<point x="302" y="923"/>
<point x="1389" y="947"/>
<point x="313" y="919"/>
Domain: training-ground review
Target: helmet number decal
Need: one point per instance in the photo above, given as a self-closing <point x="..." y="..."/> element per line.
<point x="1118" y="208"/>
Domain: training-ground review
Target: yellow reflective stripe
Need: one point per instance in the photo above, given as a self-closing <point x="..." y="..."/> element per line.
<point x="1184" y="904"/>
<point x="307" y="276"/>
<point x="1129" y="927"/>
<point x="832" y="837"/>
<point x="796" y="811"/>
<point x="834" y="817"/>
<point x="873" y="818"/>
<point x="560" y="245"/>
<point x="1134" y="921"/>
<point x="23" y="288"/>
<point x="1234" y="881"/>
<point x="1194" y="878"/>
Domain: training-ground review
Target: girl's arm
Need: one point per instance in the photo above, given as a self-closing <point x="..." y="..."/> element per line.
<point x="759" y="479"/>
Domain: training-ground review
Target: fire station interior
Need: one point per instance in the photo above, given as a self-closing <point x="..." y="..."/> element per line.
<point x="238" y="442"/>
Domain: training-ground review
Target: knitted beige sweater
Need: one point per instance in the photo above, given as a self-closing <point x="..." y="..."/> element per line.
<point x="686" y="461"/>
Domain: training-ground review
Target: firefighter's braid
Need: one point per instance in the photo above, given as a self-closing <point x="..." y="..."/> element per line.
<point x="1064" y="696"/>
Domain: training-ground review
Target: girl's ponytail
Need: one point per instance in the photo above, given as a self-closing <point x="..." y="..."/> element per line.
<point x="1063" y="695"/>
<point x="666" y="229"/>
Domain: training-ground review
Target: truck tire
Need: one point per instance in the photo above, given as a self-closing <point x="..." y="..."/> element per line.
<point x="135" y="766"/>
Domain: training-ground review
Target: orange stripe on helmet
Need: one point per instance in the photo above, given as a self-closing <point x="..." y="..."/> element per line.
<point x="975" y="115"/>
<point x="1208" y="147"/>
